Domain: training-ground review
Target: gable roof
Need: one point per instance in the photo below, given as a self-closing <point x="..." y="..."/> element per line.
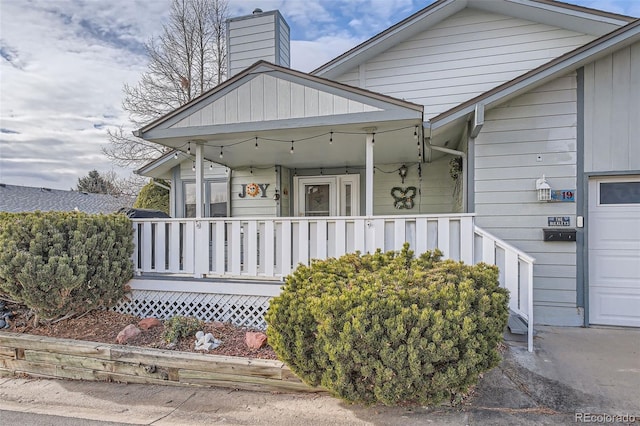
<point x="345" y="100"/>
<point x="568" y="62"/>
<point x="563" y="15"/>
<point x="14" y="198"/>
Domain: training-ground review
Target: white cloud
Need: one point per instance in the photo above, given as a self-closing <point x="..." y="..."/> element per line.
<point x="63" y="64"/>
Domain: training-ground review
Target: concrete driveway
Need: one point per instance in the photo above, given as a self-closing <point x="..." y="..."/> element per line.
<point x="574" y="371"/>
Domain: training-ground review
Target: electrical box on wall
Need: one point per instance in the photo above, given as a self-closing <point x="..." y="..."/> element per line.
<point x="559" y="234"/>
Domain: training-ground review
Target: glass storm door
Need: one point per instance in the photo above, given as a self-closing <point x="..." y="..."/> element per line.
<point x="327" y="195"/>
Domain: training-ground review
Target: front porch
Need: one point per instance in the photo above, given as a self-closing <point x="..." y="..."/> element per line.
<point x="233" y="266"/>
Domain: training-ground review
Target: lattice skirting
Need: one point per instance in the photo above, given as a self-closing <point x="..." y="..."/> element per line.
<point x="247" y="311"/>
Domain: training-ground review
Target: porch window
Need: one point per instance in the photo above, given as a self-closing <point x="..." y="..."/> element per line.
<point x="218" y="199"/>
<point x="215" y="198"/>
<point x="189" y="199"/>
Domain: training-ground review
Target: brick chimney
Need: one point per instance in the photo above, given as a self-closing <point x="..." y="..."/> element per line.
<point x="259" y="36"/>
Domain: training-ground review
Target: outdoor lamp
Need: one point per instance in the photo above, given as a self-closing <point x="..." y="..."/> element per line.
<point x="402" y="171"/>
<point x="544" y="190"/>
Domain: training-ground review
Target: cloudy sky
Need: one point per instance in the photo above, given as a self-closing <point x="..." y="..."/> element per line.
<point x="63" y="64"/>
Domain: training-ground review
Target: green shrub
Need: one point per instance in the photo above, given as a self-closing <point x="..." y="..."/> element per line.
<point x="180" y="327"/>
<point x="57" y="263"/>
<point x="153" y="197"/>
<point x="389" y="328"/>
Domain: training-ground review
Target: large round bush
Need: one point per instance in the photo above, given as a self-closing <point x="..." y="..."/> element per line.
<point x="389" y="327"/>
<point x="58" y="263"/>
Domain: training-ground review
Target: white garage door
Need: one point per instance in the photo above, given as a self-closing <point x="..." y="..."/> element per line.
<point x="614" y="251"/>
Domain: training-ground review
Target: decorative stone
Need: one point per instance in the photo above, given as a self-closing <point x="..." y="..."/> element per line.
<point x="148" y="323"/>
<point x="4" y="316"/>
<point x="255" y="340"/>
<point x="206" y="342"/>
<point x="128" y="333"/>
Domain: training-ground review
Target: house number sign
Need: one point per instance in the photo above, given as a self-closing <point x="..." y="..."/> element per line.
<point x="566" y="195"/>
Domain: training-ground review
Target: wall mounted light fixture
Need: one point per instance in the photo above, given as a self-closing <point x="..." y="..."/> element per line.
<point x="402" y="171"/>
<point x="544" y="189"/>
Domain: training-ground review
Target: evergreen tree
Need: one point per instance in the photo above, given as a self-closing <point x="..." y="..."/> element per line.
<point x="96" y="184"/>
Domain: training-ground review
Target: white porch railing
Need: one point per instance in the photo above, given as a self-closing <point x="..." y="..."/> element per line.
<point x="270" y="248"/>
<point x="516" y="274"/>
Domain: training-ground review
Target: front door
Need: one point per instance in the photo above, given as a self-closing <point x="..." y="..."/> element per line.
<point x="327" y="195"/>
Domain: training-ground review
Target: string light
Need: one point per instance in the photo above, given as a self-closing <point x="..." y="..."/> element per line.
<point x="210" y="166"/>
<point x="176" y="154"/>
<point x="419" y="170"/>
<point x="346" y="170"/>
<point x="373" y="138"/>
<point x="251" y="170"/>
<point x="415" y="133"/>
<point x="193" y="167"/>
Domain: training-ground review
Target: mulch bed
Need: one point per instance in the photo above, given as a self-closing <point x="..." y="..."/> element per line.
<point x="104" y="326"/>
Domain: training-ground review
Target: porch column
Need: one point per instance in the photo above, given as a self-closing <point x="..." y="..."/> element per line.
<point x="199" y="182"/>
<point x="370" y="140"/>
<point x="201" y="241"/>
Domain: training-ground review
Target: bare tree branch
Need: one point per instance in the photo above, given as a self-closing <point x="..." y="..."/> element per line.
<point x="188" y="58"/>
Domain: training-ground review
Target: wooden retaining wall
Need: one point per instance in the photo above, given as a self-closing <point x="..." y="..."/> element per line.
<point x="41" y="356"/>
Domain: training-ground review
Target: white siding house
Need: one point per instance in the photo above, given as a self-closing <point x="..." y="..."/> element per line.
<point x="433" y="132"/>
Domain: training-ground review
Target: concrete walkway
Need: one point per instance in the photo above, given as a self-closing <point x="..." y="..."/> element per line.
<point x="574" y="370"/>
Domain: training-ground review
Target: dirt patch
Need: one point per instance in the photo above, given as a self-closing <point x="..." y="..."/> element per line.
<point x="104" y="326"/>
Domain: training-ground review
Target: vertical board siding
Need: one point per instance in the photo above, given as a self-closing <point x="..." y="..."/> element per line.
<point x="265" y="97"/>
<point x="463" y="56"/>
<point x="612" y="111"/>
<point x="539" y="123"/>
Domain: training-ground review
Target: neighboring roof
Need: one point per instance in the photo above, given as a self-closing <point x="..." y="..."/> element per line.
<point x="568" y="62"/>
<point x="261" y="67"/>
<point x="14" y="198"/>
<point x="563" y="15"/>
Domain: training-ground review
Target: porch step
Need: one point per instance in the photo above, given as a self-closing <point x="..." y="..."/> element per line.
<point x="516" y="324"/>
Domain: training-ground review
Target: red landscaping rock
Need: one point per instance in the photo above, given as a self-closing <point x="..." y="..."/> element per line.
<point x="255" y="340"/>
<point x="148" y="323"/>
<point x="128" y="333"/>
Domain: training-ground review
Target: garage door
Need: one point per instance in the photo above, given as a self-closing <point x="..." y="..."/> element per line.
<point x="614" y="251"/>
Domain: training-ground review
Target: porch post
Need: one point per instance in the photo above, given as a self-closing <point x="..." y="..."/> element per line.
<point x="201" y="241"/>
<point x="199" y="182"/>
<point x="369" y="172"/>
